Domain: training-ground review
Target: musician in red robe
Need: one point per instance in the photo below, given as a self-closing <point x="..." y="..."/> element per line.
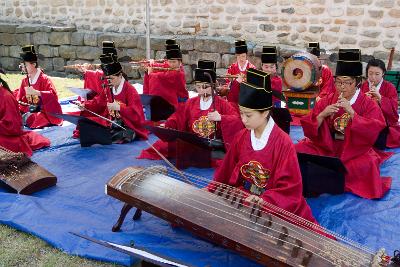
<point x="202" y="115"/>
<point x="120" y="102"/>
<point x="262" y="161"/>
<point x="385" y="94"/>
<point x="94" y="78"/>
<point x="239" y="68"/>
<point x="346" y="124"/>
<point x="37" y="96"/>
<point x="170" y="83"/>
<point x="269" y="64"/>
<point x="12" y="135"/>
<point x="327" y="85"/>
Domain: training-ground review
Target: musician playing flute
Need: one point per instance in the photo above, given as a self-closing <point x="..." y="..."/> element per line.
<point x="12" y="135"/>
<point x="385" y="94"/>
<point x="199" y="114"/>
<point x="239" y="68"/>
<point x="93" y="78"/>
<point x="120" y="102"/>
<point x="327" y="85"/>
<point x="262" y="160"/>
<point x="170" y="84"/>
<point x="269" y="64"/>
<point x="345" y="124"/>
<point x="37" y="93"/>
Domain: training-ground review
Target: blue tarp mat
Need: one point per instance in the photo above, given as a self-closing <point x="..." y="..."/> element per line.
<point x="78" y="203"/>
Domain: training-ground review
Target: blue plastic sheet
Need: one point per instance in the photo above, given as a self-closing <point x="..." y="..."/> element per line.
<point x="78" y="204"/>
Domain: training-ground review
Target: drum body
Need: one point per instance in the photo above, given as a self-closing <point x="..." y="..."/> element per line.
<point x="301" y="71"/>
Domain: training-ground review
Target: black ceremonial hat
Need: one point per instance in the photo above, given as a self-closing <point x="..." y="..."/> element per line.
<point x="207" y="64"/>
<point x="110" y="65"/>
<point x="269" y="54"/>
<point x="109" y="47"/>
<point x="28" y="53"/>
<point x="240" y="47"/>
<point x="174" y="54"/>
<point x="313" y="48"/>
<point x="256" y="92"/>
<point x="349" y="63"/>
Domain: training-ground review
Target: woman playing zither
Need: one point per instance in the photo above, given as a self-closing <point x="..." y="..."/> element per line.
<point x="38" y="91"/>
<point x="385" y="94"/>
<point x="12" y="136"/>
<point x="199" y="114"/>
<point x="262" y="161"/>
<point x="345" y="125"/>
<point x="118" y="101"/>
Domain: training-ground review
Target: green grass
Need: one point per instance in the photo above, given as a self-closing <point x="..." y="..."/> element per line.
<point x="21" y="249"/>
<point x="14" y="81"/>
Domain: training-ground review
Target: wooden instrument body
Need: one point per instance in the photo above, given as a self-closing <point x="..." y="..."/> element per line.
<point x="25" y="177"/>
<point x="300" y="103"/>
<point x="222" y="219"/>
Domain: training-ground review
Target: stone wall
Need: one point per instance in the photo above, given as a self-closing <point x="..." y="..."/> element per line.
<point x="372" y="25"/>
<point x="62" y="45"/>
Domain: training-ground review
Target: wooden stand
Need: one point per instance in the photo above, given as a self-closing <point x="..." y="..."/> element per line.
<point x="300" y="103"/>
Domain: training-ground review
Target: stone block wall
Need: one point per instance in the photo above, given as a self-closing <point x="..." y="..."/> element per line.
<point x="372" y="25"/>
<point x="66" y="45"/>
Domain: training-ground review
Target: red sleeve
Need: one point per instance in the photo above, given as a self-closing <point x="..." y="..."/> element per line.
<point x="327" y="86"/>
<point x="363" y="131"/>
<point x="132" y="111"/>
<point x="20" y="95"/>
<point x="10" y="117"/>
<point x="321" y="136"/>
<point x="389" y="104"/>
<point x="92" y="80"/>
<point x="285" y="190"/>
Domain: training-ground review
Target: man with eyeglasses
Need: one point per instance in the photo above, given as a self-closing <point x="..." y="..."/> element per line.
<point x="345" y="124"/>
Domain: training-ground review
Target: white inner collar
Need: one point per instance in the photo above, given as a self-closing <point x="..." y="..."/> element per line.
<point x="378" y="86"/>
<point x="260" y="143"/>
<point x="118" y="90"/>
<point x="355" y="96"/>
<point x="244" y="67"/>
<point x="205" y="105"/>
<point x="35" y="78"/>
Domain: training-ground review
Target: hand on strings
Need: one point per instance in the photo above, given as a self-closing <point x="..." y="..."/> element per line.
<point x="114" y="106"/>
<point x="80" y="105"/>
<point x="345" y="104"/>
<point x="254" y="199"/>
<point x="214" y="116"/>
<point x="30" y="91"/>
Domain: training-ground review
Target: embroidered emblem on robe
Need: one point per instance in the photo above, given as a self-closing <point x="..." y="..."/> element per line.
<point x="341" y="122"/>
<point x="255" y="172"/>
<point x="203" y="127"/>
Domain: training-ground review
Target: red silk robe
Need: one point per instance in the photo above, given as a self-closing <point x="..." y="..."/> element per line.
<point x="131" y="108"/>
<point x="170" y="85"/>
<point x="276" y="85"/>
<point x="328" y="85"/>
<point x="389" y="109"/>
<point x="12" y="136"/>
<point x="187" y="118"/>
<point x="234" y="86"/>
<point x="356" y="150"/>
<point x="277" y="161"/>
<point x="49" y="103"/>
<point x="93" y="81"/>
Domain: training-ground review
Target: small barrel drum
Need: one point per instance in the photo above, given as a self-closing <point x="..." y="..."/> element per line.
<point x="301" y="71"/>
